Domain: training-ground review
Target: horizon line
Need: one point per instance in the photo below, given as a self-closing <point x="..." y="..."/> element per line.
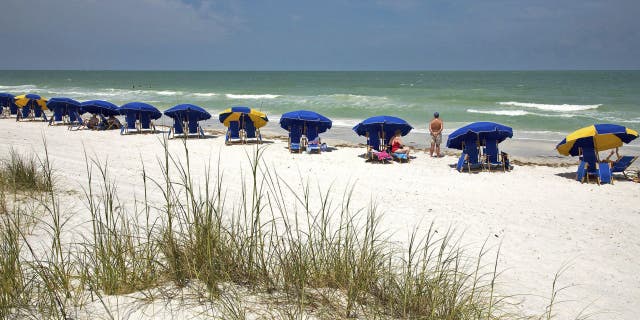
<point x="322" y="70"/>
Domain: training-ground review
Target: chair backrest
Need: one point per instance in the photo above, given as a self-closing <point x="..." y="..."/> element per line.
<point x="249" y="129"/>
<point x="312" y="132"/>
<point x="26" y="110"/>
<point x="589" y="156"/>
<point x="145" y="120"/>
<point x="472" y="150"/>
<point x="13" y="108"/>
<point x="491" y="150"/>
<point x="57" y="115"/>
<point x="234" y="130"/>
<point x="177" y="126"/>
<point x="623" y="163"/>
<point x="295" y="133"/>
<point x="73" y="116"/>
<point x="130" y="118"/>
<point x="604" y="172"/>
<point x="373" y="138"/>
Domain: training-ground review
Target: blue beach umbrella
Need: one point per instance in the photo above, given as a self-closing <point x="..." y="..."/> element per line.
<point x="387" y="124"/>
<point x="598" y="136"/>
<point x="102" y="107"/>
<point x="63" y="106"/>
<point x="187" y="111"/>
<point x="480" y="131"/>
<point x="301" y="117"/>
<point x="7" y="100"/>
<point x="140" y="108"/>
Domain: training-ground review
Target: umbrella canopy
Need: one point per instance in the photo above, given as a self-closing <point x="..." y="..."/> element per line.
<point x="305" y="116"/>
<point x="480" y="131"/>
<point x="238" y="113"/>
<point x="100" y="107"/>
<point x="62" y="105"/>
<point x="8" y="100"/>
<point x="388" y="124"/>
<point x="31" y="100"/>
<point x="141" y="107"/>
<point x="187" y="111"/>
<point x="598" y="136"/>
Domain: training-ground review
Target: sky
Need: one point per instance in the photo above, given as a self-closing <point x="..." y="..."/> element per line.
<point x="320" y="35"/>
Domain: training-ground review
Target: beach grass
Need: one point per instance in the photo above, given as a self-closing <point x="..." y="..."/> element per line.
<point x="317" y="252"/>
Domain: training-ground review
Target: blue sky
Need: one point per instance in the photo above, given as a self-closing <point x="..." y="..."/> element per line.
<point x="320" y="35"/>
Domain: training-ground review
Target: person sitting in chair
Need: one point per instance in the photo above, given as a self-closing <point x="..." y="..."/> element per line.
<point x="113" y="123"/>
<point x="93" y="122"/>
<point x="396" y="144"/>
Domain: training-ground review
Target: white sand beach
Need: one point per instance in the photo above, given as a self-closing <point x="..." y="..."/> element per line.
<point x="539" y="217"/>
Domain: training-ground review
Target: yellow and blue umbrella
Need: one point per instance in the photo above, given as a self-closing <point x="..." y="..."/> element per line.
<point x="31" y="100"/>
<point x="240" y="113"/>
<point x="598" y="136"/>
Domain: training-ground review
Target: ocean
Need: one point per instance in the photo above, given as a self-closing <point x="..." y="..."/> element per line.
<point x="539" y="105"/>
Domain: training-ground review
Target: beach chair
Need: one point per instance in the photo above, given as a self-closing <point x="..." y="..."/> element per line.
<point x="103" y="124"/>
<point x="78" y="123"/>
<point x="376" y="150"/>
<point x="25" y="113"/>
<point x="131" y="121"/>
<point x="146" y="123"/>
<point x="194" y="127"/>
<point x="591" y="166"/>
<point x="622" y="165"/>
<point x="470" y="157"/>
<point x="312" y="139"/>
<point x="492" y="157"/>
<point x="58" y="117"/>
<point x="233" y="133"/>
<point x="250" y="132"/>
<point x="176" y="129"/>
<point x="295" y="137"/>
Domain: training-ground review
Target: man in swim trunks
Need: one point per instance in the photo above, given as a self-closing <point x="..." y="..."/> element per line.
<point x="435" y="128"/>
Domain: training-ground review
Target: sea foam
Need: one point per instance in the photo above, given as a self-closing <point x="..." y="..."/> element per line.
<point x="251" y="96"/>
<point x="511" y="113"/>
<point x="551" y="107"/>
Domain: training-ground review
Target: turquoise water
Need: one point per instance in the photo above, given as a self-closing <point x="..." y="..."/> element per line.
<point x="538" y="104"/>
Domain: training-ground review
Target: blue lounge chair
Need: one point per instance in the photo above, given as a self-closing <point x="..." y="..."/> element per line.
<point x="146" y="123"/>
<point x="622" y="165"/>
<point x="590" y="166"/>
<point x="295" y="135"/>
<point x="312" y="139"/>
<point x="77" y="123"/>
<point x="26" y="112"/>
<point x="58" y="118"/>
<point x="376" y="150"/>
<point x="194" y="128"/>
<point x="604" y="173"/>
<point x="250" y="131"/>
<point x="233" y="133"/>
<point x="492" y="157"/>
<point x="470" y="156"/>
<point x="177" y="129"/>
<point x="130" y="119"/>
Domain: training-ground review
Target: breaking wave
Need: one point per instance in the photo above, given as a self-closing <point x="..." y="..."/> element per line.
<point x="251" y="96"/>
<point x="551" y="107"/>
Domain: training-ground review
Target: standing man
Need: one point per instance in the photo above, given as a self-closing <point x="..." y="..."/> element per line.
<point x="435" y="127"/>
